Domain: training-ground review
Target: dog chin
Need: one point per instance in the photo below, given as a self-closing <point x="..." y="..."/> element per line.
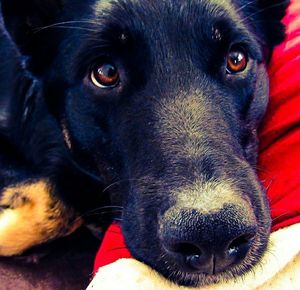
<point x="197" y="279"/>
<point x="189" y="279"/>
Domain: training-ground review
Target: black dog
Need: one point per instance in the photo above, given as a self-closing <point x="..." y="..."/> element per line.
<point x="36" y="171"/>
<point x="159" y="101"/>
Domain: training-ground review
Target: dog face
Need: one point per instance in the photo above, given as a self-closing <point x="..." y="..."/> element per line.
<point x="161" y="100"/>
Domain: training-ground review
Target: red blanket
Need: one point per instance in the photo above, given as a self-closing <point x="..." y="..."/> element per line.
<point x="279" y="160"/>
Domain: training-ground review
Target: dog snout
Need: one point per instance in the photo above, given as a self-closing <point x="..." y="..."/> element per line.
<point x="208" y="242"/>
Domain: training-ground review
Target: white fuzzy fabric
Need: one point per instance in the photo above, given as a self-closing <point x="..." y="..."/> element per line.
<point x="279" y="270"/>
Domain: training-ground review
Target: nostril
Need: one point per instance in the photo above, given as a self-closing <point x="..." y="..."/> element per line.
<point x="191" y="257"/>
<point x="240" y="245"/>
<point x="235" y="252"/>
<point x="185" y="249"/>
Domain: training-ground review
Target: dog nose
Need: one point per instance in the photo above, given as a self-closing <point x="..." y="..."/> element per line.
<point x="208" y="243"/>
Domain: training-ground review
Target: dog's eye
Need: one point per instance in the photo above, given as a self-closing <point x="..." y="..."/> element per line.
<point x="105" y="75"/>
<point x="236" y="60"/>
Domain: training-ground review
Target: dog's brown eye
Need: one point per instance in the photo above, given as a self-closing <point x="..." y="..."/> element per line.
<point x="236" y="60"/>
<point x="105" y="75"/>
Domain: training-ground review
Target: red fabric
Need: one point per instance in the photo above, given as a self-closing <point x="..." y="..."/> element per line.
<point x="112" y="247"/>
<point x="279" y="161"/>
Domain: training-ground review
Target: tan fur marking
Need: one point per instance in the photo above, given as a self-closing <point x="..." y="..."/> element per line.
<point x="102" y="5"/>
<point x="66" y="135"/>
<point x="185" y="131"/>
<point x="212" y="195"/>
<point x="40" y="219"/>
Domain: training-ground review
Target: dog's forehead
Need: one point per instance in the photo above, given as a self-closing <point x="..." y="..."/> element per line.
<point x="157" y="13"/>
<point x="101" y="5"/>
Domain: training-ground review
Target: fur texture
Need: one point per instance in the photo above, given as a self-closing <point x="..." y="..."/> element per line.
<point x="172" y="144"/>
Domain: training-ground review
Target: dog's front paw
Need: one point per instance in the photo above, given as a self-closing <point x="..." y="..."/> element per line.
<point x="30" y="215"/>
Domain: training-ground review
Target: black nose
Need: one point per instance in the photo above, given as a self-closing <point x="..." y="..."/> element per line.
<point x="208" y="243"/>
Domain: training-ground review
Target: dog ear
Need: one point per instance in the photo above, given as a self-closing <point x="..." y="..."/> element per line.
<point x="23" y="18"/>
<point x="12" y="78"/>
<point x="266" y="17"/>
<point x="32" y="12"/>
<point x="271" y="13"/>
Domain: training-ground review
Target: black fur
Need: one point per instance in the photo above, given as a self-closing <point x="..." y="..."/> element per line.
<point x="175" y="128"/>
<point x="32" y="143"/>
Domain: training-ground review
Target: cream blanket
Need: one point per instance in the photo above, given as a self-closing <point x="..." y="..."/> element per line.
<point x="278" y="270"/>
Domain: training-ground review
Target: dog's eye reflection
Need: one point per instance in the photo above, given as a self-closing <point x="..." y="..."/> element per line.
<point x="236" y="60"/>
<point x="105" y="75"/>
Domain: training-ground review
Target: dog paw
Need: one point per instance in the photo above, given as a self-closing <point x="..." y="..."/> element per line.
<point x="30" y="215"/>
